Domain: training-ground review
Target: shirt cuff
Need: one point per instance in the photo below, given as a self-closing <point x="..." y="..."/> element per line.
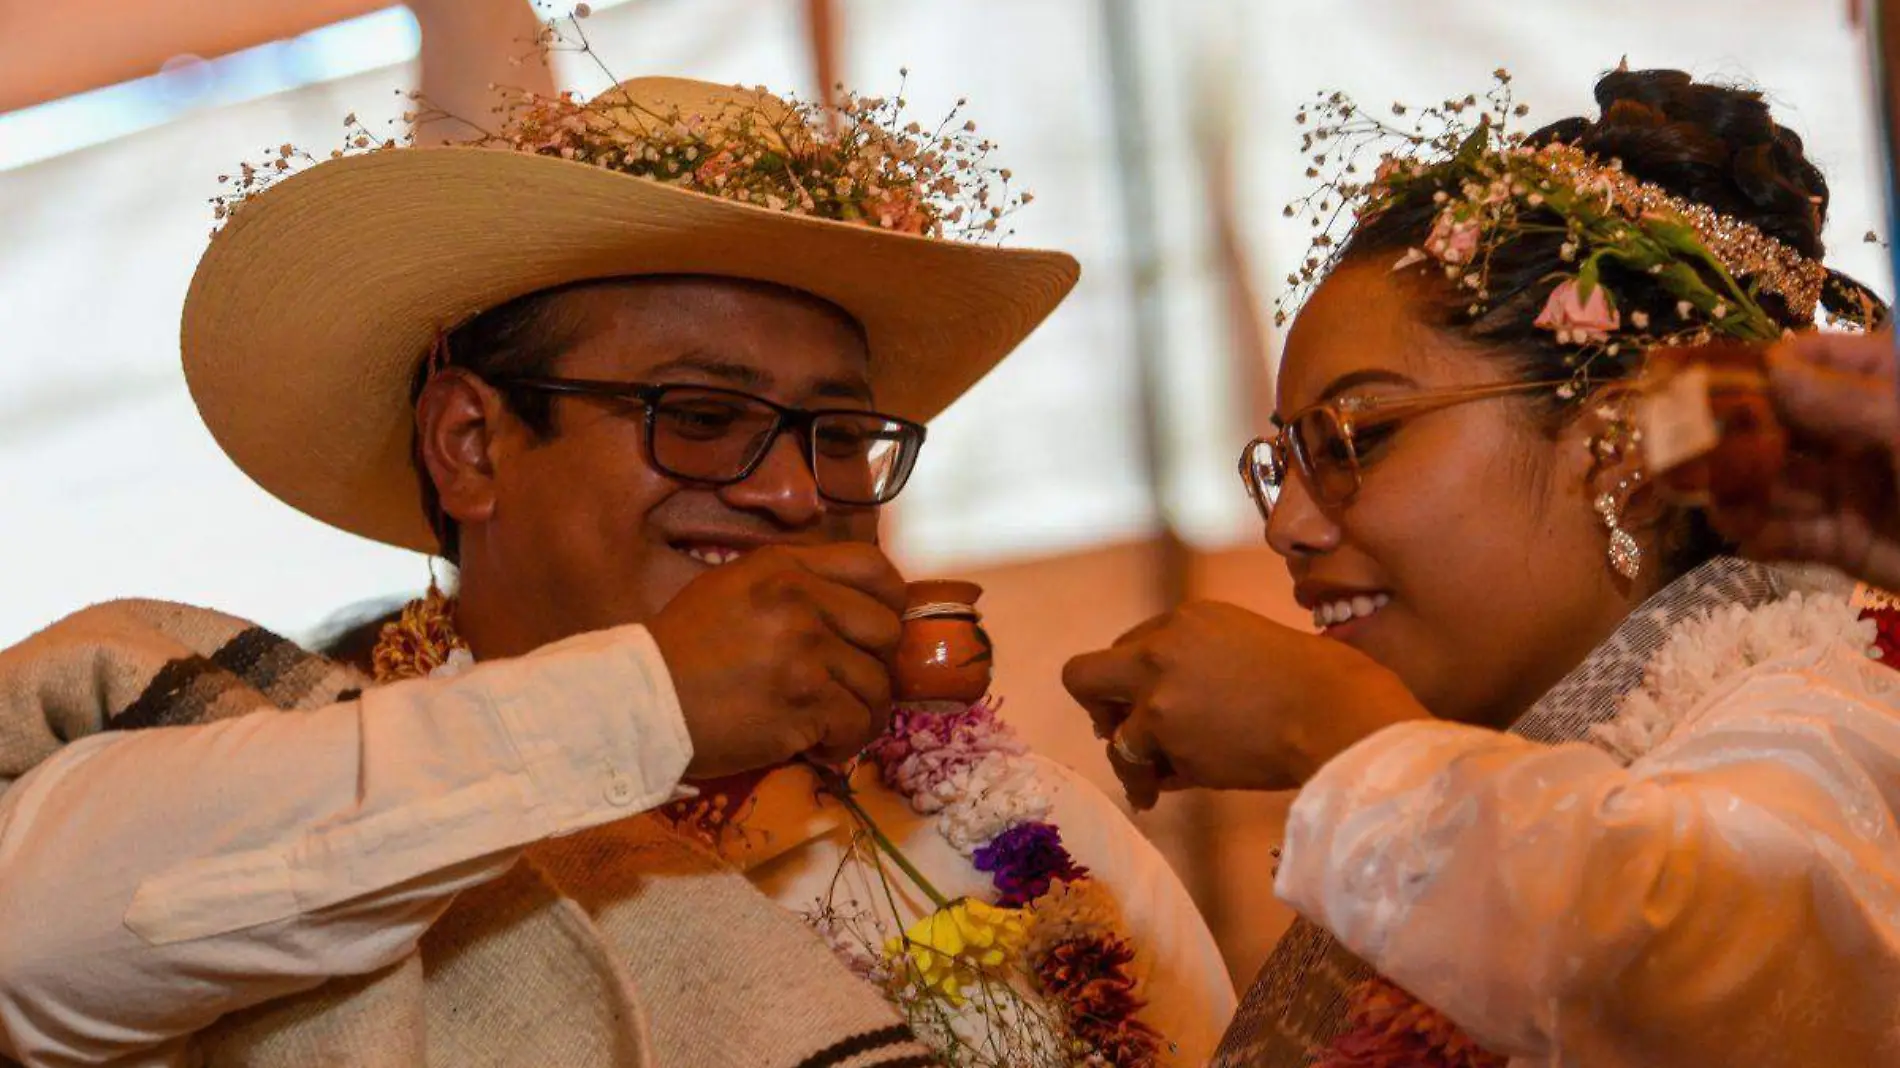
<point x="590" y="765"/>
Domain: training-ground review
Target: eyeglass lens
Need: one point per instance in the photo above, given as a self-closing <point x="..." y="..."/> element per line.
<point x="716" y="436"/>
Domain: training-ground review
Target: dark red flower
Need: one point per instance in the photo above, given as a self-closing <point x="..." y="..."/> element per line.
<point x="1089" y="978"/>
<point x="1392" y="1029"/>
<point x="1887" y="636"/>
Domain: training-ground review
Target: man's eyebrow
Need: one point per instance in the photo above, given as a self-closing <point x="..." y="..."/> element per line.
<point x="850" y="389"/>
<point x="740" y="374"/>
<point x="756" y="379"/>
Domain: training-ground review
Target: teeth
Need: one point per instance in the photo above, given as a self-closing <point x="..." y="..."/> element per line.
<point x="713" y="556"/>
<point x="1358" y="606"/>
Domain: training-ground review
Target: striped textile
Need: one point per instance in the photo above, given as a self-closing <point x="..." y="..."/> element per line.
<point x="621" y="947"/>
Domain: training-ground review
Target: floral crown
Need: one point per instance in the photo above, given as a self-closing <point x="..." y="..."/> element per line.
<point x="1491" y="187"/>
<point x="856" y="160"/>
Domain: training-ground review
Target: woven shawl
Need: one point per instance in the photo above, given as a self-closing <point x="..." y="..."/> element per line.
<point x="1297" y="1005"/>
<point x="626" y="945"/>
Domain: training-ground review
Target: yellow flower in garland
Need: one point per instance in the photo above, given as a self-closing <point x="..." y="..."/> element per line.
<point x="952" y="948"/>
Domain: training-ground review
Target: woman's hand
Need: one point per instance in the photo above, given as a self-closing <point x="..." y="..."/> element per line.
<point x="1215" y="696"/>
<point x="1837" y="502"/>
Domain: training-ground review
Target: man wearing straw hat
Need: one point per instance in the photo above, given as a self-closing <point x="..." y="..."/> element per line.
<point x="645" y="368"/>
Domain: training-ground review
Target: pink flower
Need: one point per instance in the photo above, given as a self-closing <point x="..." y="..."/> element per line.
<point x="898" y="210"/>
<point x="1390" y="167"/>
<point x="715" y="167"/>
<point x="924" y="749"/>
<point x="1451" y="240"/>
<point x="1575" y="319"/>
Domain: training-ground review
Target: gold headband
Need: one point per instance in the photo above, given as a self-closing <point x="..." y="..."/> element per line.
<point x="1743" y="249"/>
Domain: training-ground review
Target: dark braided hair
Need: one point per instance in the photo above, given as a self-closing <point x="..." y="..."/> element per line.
<point x="1710" y="144"/>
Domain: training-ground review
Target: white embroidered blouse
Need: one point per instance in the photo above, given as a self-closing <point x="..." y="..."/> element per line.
<point x="1717" y="883"/>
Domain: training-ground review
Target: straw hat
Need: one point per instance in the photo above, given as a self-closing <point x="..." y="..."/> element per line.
<point x="311" y="310"/>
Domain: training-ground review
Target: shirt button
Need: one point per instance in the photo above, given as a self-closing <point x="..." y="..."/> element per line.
<point x="620" y="791"/>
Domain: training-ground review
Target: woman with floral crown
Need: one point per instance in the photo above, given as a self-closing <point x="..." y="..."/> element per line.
<point x="1577" y="785"/>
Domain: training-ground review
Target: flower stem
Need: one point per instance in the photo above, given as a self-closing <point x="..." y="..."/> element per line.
<point x="840" y="790"/>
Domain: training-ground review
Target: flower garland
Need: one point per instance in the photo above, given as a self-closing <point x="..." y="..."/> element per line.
<point x="1051" y="921"/>
<point x="1639" y="268"/>
<point x="967" y="767"/>
<point x="1389" y="1028"/>
<point x="1702" y="656"/>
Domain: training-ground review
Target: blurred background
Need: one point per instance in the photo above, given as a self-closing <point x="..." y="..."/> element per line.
<point x="1087" y="484"/>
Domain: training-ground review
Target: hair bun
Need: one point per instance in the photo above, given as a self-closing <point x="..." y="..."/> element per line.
<point x="1712" y="144"/>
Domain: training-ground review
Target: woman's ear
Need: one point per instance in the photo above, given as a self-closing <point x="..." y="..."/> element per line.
<point x="1607" y="449"/>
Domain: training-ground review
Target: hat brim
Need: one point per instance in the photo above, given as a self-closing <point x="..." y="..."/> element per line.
<point x="311" y="310"/>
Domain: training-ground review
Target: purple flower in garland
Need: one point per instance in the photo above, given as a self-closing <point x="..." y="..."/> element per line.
<point x="1024" y="860"/>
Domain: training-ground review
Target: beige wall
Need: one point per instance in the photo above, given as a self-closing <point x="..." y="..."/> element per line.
<point x="1041" y="612"/>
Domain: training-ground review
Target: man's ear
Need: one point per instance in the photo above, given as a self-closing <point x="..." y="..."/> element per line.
<point x="456" y="419"/>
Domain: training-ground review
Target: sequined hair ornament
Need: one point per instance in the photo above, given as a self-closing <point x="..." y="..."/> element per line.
<point x="1490" y="187"/>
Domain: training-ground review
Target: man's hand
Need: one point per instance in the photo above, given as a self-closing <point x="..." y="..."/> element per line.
<point x="1838" y="501"/>
<point x="1213" y="695"/>
<point x="784" y="652"/>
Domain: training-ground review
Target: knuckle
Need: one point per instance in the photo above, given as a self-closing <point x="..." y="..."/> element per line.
<point x="877" y="690"/>
<point x="885" y="631"/>
<point x="1156" y="654"/>
<point x="802" y="680"/>
<point x="779" y="587"/>
<point x="1072" y="674"/>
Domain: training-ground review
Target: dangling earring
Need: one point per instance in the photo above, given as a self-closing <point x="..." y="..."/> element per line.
<point x="1626" y="557"/>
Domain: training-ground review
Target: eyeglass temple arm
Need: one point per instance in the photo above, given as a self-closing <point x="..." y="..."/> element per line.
<point x="1400" y="407"/>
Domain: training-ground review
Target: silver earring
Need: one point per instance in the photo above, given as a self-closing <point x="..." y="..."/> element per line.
<point x="1626" y="557"/>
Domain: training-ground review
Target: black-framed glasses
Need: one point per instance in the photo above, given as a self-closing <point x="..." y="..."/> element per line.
<point x="717" y="437"/>
<point x="1328" y="441"/>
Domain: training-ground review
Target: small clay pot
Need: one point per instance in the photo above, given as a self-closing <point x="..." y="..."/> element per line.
<point x="944" y="654"/>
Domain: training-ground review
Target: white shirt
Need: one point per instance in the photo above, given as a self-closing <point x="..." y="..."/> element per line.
<point x="152" y="881"/>
<point x="1731" y="897"/>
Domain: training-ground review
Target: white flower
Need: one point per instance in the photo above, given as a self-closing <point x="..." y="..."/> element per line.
<point x="457" y="662"/>
<point x="1702" y="657"/>
<point x="980" y="802"/>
